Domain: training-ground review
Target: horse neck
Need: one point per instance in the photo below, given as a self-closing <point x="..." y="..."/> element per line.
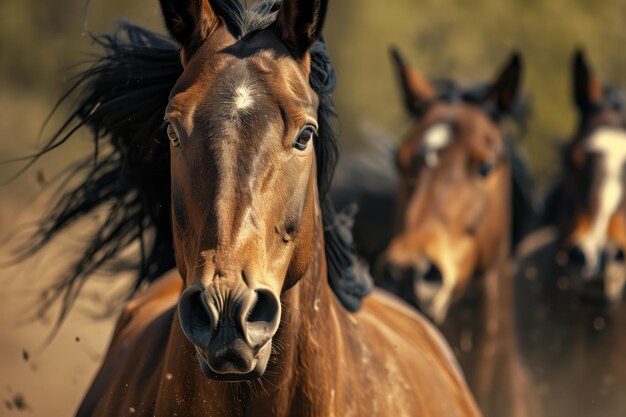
<point x="298" y="380"/>
<point x="492" y="364"/>
<point x="313" y="325"/>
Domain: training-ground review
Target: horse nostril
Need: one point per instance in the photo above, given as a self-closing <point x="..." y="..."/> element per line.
<point x="433" y="275"/>
<point x="263" y="317"/>
<point x="196" y="318"/>
<point x="619" y="255"/>
<point x="576" y="257"/>
<point x="265" y="308"/>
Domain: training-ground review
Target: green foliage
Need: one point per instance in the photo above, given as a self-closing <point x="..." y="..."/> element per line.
<point x="465" y="40"/>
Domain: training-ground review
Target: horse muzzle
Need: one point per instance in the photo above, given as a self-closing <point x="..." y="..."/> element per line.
<point x="421" y="284"/>
<point x="599" y="276"/>
<point x="231" y="327"/>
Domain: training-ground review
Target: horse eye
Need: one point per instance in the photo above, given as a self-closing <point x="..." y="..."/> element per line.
<point x="485" y="169"/>
<point x="304" y="138"/>
<point x="173" y="137"/>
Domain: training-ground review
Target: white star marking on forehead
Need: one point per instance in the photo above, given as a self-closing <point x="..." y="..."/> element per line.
<point x="435" y="138"/>
<point x="243" y="97"/>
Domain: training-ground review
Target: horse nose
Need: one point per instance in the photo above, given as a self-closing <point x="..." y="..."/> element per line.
<point x="393" y="275"/>
<point x="428" y="271"/>
<point x="251" y="315"/>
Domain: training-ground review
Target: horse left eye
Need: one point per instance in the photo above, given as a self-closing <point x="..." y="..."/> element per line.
<point x="485" y="169"/>
<point x="171" y="134"/>
<point x="304" y="138"/>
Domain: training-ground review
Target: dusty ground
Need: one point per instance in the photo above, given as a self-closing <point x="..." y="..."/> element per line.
<point x="37" y="377"/>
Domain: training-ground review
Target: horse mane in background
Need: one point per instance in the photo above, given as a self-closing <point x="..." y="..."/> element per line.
<point x="365" y="185"/>
<point x="128" y="175"/>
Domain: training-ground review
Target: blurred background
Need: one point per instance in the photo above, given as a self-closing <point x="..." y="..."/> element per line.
<point x="40" y="42"/>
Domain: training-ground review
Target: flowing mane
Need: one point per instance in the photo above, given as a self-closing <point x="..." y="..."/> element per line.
<point x="121" y="100"/>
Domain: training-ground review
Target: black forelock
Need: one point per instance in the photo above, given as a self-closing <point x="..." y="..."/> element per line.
<point x="450" y="91"/>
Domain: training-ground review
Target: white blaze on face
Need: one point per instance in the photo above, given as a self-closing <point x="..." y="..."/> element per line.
<point x="435" y="138"/>
<point x="610" y="144"/>
<point x="435" y="298"/>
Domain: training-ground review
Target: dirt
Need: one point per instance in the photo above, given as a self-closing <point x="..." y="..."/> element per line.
<point x="39" y="377"/>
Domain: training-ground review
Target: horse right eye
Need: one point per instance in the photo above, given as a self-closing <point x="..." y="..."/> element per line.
<point x="305" y="136"/>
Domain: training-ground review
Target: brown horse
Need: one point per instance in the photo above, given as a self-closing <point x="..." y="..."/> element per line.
<point x="589" y="204"/>
<point x="449" y="255"/>
<point x="570" y="282"/>
<point x="256" y="329"/>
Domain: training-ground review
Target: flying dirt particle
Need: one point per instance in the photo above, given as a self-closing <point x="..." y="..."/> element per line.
<point x="561" y="258"/>
<point x="19" y="402"/>
<point x="169" y="376"/>
<point x="16" y="403"/>
<point x="25" y="355"/>
<point x="467" y="343"/>
<point x="531" y="273"/>
<point x="132" y="410"/>
<point x="77" y="339"/>
<point x="563" y="283"/>
<point x="599" y="323"/>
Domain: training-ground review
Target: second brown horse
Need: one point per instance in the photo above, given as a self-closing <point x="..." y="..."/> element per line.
<point x="460" y="181"/>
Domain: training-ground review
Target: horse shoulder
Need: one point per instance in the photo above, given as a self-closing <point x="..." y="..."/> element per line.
<point x="145" y="307"/>
<point x="145" y="322"/>
<point x="424" y="359"/>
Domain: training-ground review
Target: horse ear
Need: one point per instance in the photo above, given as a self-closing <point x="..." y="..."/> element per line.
<point x="189" y="22"/>
<point x="300" y="22"/>
<point x="587" y="90"/>
<point x="417" y="91"/>
<point x="504" y="90"/>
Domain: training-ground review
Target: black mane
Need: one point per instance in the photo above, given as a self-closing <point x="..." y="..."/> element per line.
<point x="121" y="99"/>
<point x="449" y="91"/>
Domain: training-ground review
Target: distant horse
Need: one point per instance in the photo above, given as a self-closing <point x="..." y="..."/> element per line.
<point x="569" y="286"/>
<point x="588" y="205"/>
<point x="461" y="185"/>
<point x="250" y="153"/>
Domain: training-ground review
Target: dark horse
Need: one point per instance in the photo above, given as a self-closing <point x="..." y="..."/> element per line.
<point x="570" y="283"/>
<point x="461" y="185"/>
<point x="244" y="160"/>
